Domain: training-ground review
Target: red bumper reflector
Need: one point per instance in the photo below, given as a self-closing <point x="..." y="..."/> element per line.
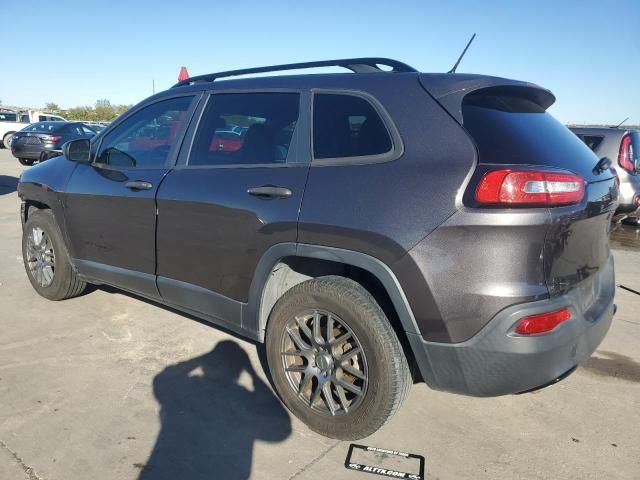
<point x="542" y="322"/>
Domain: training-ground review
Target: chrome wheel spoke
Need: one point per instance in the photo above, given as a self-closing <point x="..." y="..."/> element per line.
<point x="348" y="386"/>
<point x="317" y="336"/>
<point x="344" y="403"/>
<point x="306" y="380"/>
<point x="296" y="368"/>
<point x="304" y="328"/>
<point x="353" y="372"/>
<point x="342" y="338"/>
<point x="328" y="398"/>
<point x="297" y="339"/>
<point x="350" y="353"/>
<point x="315" y="394"/>
<point x="330" y="325"/>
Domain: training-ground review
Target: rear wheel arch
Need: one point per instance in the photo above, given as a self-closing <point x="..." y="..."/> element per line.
<point x="277" y="274"/>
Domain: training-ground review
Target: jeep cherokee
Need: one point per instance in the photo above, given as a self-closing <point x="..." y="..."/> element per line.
<point x="373" y="228"/>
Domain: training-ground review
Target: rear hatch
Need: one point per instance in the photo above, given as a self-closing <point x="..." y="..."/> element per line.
<point x="512" y="130"/>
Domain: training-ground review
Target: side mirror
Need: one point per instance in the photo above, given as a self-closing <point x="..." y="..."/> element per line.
<point x="77" y="150"/>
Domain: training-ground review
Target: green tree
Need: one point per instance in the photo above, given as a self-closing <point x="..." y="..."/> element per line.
<point x="52" y="107"/>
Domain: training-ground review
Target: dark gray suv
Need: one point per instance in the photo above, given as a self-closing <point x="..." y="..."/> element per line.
<point x="372" y="228"/>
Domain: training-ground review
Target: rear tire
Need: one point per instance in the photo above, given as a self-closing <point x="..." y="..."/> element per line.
<point x="374" y="380"/>
<point x="6" y="140"/>
<point x="26" y="162"/>
<point x="46" y="259"/>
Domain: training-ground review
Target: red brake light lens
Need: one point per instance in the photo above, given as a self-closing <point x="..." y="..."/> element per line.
<point x="542" y="322"/>
<point x="529" y="187"/>
<point x="51" y="139"/>
<point x="625" y="157"/>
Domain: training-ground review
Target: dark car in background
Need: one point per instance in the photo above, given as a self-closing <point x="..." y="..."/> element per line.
<point x="41" y="140"/>
<point x="622" y="147"/>
<point x="374" y="229"/>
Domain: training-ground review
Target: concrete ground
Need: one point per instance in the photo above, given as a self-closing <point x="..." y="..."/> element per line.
<point x="107" y="386"/>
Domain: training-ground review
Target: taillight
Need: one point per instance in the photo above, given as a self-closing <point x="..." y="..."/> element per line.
<point x="529" y="187"/>
<point x="542" y="322"/>
<point x="625" y="157"/>
<point x="51" y="139"/>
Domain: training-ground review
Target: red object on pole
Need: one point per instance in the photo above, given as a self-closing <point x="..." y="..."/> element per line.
<point x="183" y="75"/>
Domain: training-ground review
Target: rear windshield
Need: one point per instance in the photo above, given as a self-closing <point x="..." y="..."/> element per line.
<point x="514" y="130"/>
<point x="45" y="127"/>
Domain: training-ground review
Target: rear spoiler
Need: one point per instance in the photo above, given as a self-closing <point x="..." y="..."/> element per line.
<point x="450" y="90"/>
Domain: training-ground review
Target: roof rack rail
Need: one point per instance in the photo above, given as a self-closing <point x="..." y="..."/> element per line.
<point x="356" y="65"/>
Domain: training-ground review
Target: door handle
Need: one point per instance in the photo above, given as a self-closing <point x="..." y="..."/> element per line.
<point x="138" y="185"/>
<point x="270" y="191"/>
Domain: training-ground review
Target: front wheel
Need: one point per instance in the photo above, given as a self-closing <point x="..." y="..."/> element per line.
<point x="26" y="162"/>
<point x="46" y="259"/>
<point x="335" y="360"/>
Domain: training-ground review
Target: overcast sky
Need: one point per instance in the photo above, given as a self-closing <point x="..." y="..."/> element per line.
<point x="76" y="52"/>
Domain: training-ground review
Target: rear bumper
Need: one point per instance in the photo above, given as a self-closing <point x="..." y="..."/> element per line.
<point x="28" y="152"/>
<point x="629" y="194"/>
<point x="497" y="361"/>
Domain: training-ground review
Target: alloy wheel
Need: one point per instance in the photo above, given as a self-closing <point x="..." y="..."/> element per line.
<point x="324" y="362"/>
<point x="41" y="257"/>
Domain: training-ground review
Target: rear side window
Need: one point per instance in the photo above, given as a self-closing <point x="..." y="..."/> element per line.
<point x="347" y="126"/>
<point x="246" y="129"/>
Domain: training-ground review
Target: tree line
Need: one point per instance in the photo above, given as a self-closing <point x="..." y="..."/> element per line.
<point x="102" y="111"/>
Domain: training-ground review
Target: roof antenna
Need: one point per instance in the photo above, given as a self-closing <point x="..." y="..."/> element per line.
<point x="621" y="122"/>
<point x="453" y="70"/>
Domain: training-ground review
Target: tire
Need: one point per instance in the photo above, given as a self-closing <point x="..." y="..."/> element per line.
<point x="26" y="162"/>
<point x="60" y="281"/>
<point x="6" y="140"/>
<point x="380" y="372"/>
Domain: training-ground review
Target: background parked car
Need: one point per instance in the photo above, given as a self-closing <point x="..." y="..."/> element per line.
<point x="623" y="149"/>
<point x="29" y="143"/>
<point x="14" y="119"/>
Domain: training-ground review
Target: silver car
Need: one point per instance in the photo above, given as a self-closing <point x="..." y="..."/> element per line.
<point x="622" y="147"/>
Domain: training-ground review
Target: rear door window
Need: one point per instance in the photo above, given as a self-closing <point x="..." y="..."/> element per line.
<point x="246" y="129"/>
<point x="346" y="126"/>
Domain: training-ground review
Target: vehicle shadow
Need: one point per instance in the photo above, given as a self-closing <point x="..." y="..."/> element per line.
<point x="209" y="420"/>
<point x="8" y="184"/>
